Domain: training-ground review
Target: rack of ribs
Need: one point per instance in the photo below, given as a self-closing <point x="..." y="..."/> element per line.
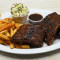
<point x="29" y="34"/>
<point x="35" y="35"/>
<point x="52" y="24"/>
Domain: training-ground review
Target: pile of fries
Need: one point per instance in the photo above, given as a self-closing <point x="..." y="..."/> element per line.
<point x="7" y="29"/>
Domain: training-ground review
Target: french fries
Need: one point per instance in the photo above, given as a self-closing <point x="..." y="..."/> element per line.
<point x="17" y="46"/>
<point x="1" y="22"/>
<point x="25" y="46"/>
<point x="4" y="21"/>
<point x="3" y="25"/>
<point x="7" y="29"/>
<point x="3" y="42"/>
<point x="3" y="37"/>
<point x="7" y="34"/>
<point x="15" y="30"/>
<point x="7" y="26"/>
<point x="11" y="32"/>
<point x="17" y="25"/>
<point x="11" y="45"/>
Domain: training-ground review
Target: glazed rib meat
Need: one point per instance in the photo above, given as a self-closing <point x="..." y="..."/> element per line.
<point x="29" y="34"/>
<point x="52" y="24"/>
<point x="35" y="35"/>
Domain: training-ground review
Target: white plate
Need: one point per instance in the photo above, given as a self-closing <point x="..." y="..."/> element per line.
<point x="45" y="48"/>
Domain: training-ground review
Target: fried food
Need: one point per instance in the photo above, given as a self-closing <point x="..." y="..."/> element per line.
<point x="11" y="45"/>
<point x="3" y="37"/>
<point x="27" y="35"/>
<point x="7" y="26"/>
<point x="8" y="34"/>
<point x="18" y="25"/>
<point x="7" y="30"/>
<point x="4" y="21"/>
<point x="1" y="22"/>
<point x="3" y="42"/>
<point x="17" y="45"/>
<point x="3" y="25"/>
<point x="25" y="46"/>
<point x="11" y="32"/>
<point x="15" y="30"/>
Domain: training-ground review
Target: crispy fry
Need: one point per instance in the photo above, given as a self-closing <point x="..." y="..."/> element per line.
<point x="13" y="22"/>
<point x="3" y="37"/>
<point x="13" y="27"/>
<point x="5" y="21"/>
<point x="16" y="45"/>
<point x="25" y="46"/>
<point x="3" y="25"/>
<point x="18" y="25"/>
<point x="5" y="31"/>
<point x="15" y="30"/>
<point x="7" y="34"/>
<point x="2" y="42"/>
<point x="11" y="45"/>
<point x="7" y="26"/>
<point x="1" y="22"/>
<point x="11" y="32"/>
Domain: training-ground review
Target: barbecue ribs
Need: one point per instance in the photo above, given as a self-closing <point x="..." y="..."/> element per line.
<point x="52" y="24"/>
<point x="35" y="35"/>
<point x="29" y="34"/>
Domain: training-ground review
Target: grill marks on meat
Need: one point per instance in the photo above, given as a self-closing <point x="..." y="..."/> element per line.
<point x="29" y="34"/>
<point x="20" y="34"/>
<point x="52" y="26"/>
<point x="34" y="35"/>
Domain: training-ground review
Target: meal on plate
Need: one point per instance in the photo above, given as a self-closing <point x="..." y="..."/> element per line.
<point x="34" y="35"/>
<point x="7" y="30"/>
<point x="29" y="35"/>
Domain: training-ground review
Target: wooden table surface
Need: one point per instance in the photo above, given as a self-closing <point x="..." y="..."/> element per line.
<point x="53" y="5"/>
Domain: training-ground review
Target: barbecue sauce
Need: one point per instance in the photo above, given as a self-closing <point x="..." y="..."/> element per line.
<point x="35" y="17"/>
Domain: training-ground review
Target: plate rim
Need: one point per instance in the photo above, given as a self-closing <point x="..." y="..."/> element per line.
<point x="48" y="48"/>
